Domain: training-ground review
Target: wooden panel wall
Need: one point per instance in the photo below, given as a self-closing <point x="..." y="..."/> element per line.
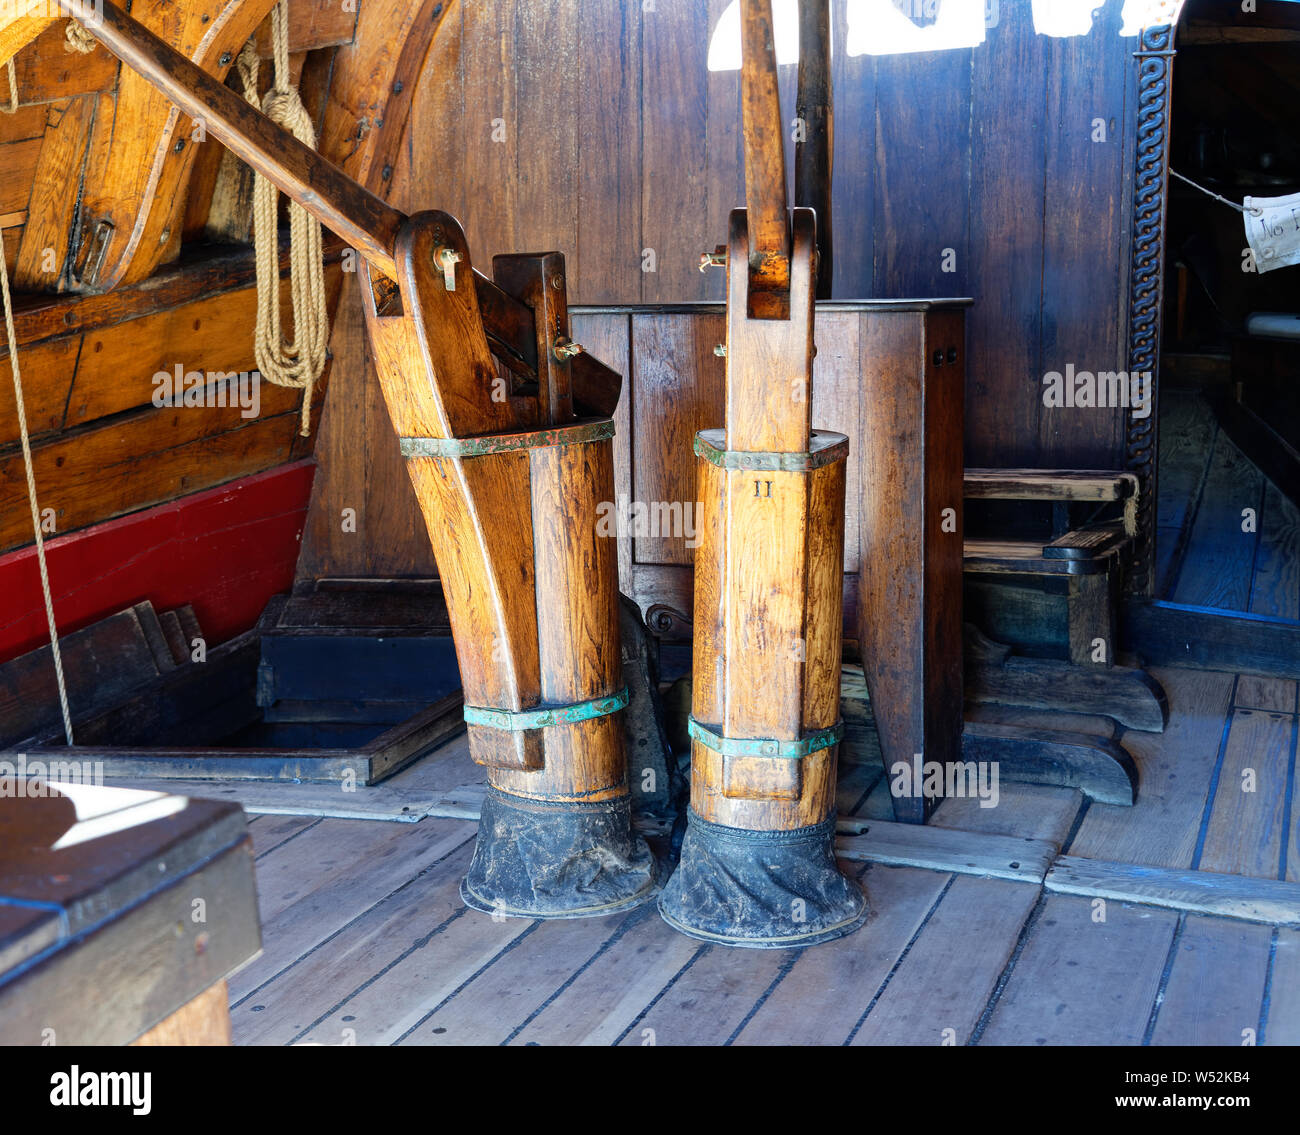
<point x="598" y="130"/>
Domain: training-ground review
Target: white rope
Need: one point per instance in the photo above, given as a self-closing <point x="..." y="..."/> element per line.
<point x="1209" y="193"/>
<point x="300" y="362"/>
<point x="13" y="89"/>
<point x="31" y="495"/>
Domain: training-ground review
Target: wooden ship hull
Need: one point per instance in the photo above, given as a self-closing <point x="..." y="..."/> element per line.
<point x="491" y="609"/>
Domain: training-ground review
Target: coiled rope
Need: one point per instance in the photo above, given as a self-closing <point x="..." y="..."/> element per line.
<point x="298" y="363"/>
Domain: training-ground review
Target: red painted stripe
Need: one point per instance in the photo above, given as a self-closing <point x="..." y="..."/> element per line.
<point x="225" y="551"/>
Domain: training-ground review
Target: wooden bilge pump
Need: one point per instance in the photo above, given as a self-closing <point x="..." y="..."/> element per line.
<point x="758" y="865"/>
<point x="509" y="479"/>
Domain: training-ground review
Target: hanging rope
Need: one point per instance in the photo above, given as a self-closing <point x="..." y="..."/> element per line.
<point x="298" y="363"/>
<point x="31" y="495"/>
<point x="78" y="38"/>
<point x="1209" y="193"/>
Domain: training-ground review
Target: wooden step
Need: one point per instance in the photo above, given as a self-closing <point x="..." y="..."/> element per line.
<point x="1049" y="484"/>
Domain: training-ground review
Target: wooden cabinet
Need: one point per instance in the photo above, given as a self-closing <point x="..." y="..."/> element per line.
<point x="673" y="387"/>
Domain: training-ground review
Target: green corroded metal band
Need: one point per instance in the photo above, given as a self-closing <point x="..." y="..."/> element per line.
<point x="765" y="746"/>
<point x="771" y="462"/>
<point x="505" y="443"/>
<point x="553" y="715"/>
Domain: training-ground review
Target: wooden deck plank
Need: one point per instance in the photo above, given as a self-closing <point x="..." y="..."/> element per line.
<point x="286" y="1007"/>
<point x="1276" y="589"/>
<point x="1216" y="985"/>
<point x="1248" y="818"/>
<point x="941" y="849"/>
<point x="605" y="999"/>
<point x="321" y="910"/>
<point x="946" y="978"/>
<point x="1282" y="1025"/>
<point x="1080" y="982"/>
<point x="1220" y="558"/>
<point x="1202" y="892"/>
<point x="269" y="832"/>
<point x="395" y="1000"/>
<point x="1187" y="429"/>
<point x="329" y="850"/>
<point x="710" y="999"/>
<point x="828" y="989"/>
<point x="1175" y="767"/>
<point x="495" y="1004"/>
<point x="1028" y="811"/>
<point x="1255" y="692"/>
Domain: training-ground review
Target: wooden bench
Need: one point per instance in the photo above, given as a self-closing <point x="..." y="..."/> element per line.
<point x="1058" y="485"/>
<point x="1088" y="558"/>
<point x="122" y="912"/>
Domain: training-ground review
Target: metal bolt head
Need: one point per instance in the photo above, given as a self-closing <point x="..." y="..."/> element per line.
<point x="720" y="349"/>
<point x="565" y="350"/>
<point x="557" y="282"/>
<point x="164" y="236"/>
<point x="225" y="58"/>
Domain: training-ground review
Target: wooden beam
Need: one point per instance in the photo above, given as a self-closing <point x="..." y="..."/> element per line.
<point x="814" y="153"/>
<point x="1206" y="638"/>
<point x="765" y="201"/>
<point x="369" y="224"/>
<point x="1202" y="892"/>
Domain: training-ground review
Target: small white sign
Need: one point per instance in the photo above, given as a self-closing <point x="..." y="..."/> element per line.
<point x="1273" y="230"/>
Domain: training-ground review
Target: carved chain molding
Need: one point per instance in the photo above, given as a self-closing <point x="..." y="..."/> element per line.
<point x="1146" y="287"/>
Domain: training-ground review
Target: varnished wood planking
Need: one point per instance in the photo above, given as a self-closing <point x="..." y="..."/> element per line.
<point x="422" y="975"/>
<point x="48" y="232"/>
<point x="1276" y="583"/>
<point x="607" y="268"/>
<point x="493" y="1005"/>
<point x="922" y="176"/>
<point x="47" y="372"/>
<point x="674" y="158"/>
<point x="677" y="392"/>
<point x="853" y="182"/>
<point x="1083" y="227"/>
<point x="1008" y="120"/>
<point x="46" y="69"/>
<point x="490" y="122"/>
<point x="946" y="978"/>
<point x="608" y="337"/>
<point x="708" y="1000"/>
<point x="1187" y="432"/>
<point x="1216" y="986"/>
<point x="287" y="1005"/>
<point x="1220" y="556"/>
<point x="145" y="458"/>
<point x="1175" y="767"/>
<point x="827" y="991"/>
<point x="1276" y="694"/>
<point x="1282" y="1025"/>
<point x="1080" y="981"/>
<point x="301" y="919"/>
<point x="1248" y="818"/>
<point x="837" y="382"/>
<point x="724" y="172"/>
<point x="605" y="998"/>
<point x="547" y="139"/>
<point x="1028" y="811"/>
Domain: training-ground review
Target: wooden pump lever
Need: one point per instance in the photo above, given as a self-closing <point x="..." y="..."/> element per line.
<point x="366" y="221"/>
